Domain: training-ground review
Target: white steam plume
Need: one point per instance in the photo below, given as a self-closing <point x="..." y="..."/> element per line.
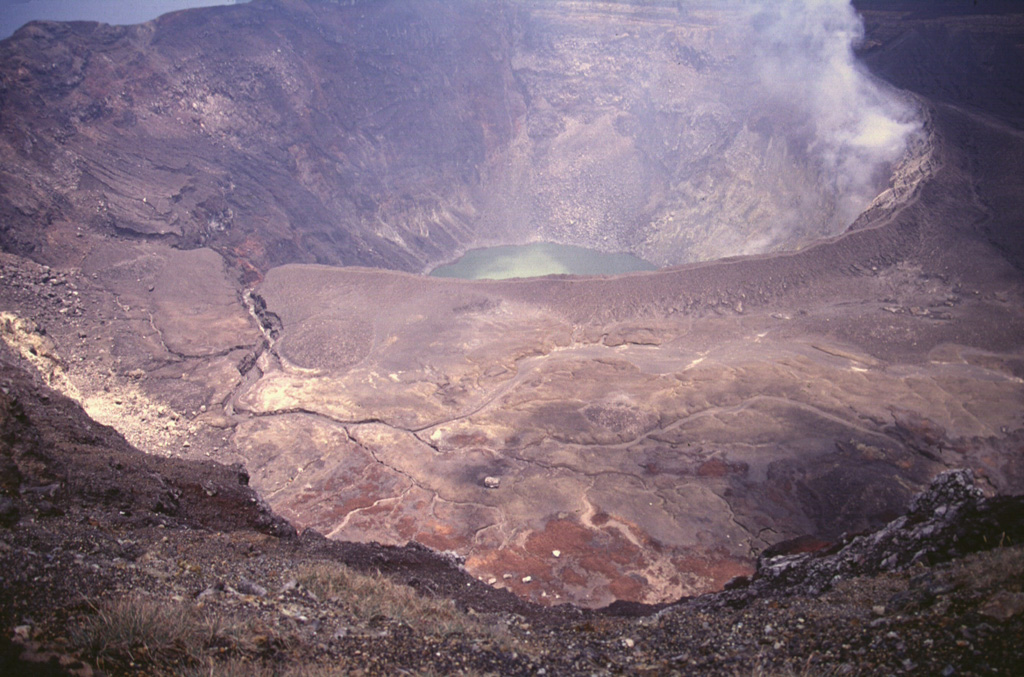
<point x="803" y="60"/>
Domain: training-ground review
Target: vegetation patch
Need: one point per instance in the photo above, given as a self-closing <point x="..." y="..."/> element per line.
<point x="135" y="631"/>
<point x="373" y="597"/>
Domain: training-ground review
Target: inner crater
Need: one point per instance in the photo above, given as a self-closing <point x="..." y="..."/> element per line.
<point x="682" y="135"/>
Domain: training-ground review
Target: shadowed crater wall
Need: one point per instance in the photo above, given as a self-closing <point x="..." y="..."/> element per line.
<point x="398" y="134"/>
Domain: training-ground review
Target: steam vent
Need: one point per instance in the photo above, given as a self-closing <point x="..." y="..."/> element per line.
<point x="216" y="229"/>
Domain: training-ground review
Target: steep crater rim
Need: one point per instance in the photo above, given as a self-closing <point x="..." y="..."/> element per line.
<point x="669" y="140"/>
<point x="542" y="257"/>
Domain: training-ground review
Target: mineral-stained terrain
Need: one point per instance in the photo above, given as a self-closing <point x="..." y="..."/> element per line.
<point x="177" y="197"/>
<point x="117" y="562"/>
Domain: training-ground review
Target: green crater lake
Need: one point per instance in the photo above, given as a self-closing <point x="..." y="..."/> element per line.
<point x="536" y="260"/>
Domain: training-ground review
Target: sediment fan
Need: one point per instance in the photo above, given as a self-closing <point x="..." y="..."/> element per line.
<point x="577" y="439"/>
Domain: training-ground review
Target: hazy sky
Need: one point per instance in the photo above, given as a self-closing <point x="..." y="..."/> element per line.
<point x="16" y="13"/>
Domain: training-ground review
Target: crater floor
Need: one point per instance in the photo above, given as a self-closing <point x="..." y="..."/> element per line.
<point x="645" y="455"/>
<point x="575" y="439"/>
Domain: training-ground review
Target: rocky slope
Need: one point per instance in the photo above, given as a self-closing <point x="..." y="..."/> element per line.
<point x="288" y="141"/>
<point x="638" y="439"/>
<point x="121" y="563"/>
<point x="655" y="431"/>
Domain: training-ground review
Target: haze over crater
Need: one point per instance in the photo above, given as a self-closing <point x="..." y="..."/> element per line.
<point x="15" y="13"/>
<point x="400" y="134"/>
<point x="656" y="430"/>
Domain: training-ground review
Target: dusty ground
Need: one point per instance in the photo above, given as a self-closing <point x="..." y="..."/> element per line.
<point x="655" y="430"/>
<point x="133" y="564"/>
<point x="639" y="438"/>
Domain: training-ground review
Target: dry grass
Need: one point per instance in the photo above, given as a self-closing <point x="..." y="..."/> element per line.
<point x="373" y="596"/>
<point x="239" y="668"/>
<point x="243" y="668"/>
<point x="136" y="634"/>
<point x="805" y="670"/>
<point x="999" y="569"/>
<point x="135" y="631"/>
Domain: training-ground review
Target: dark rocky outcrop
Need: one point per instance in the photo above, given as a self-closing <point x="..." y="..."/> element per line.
<point x="653" y="432"/>
<point x="53" y="457"/>
<point x="951" y="519"/>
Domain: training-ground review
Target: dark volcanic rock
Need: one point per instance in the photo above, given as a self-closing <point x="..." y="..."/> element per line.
<point x="244" y="598"/>
<point x="9" y="512"/>
<point x="949" y="520"/>
<point x="289" y="141"/>
<point x="651" y="432"/>
<point x="54" y="456"/>
<point x="954" y="52"/>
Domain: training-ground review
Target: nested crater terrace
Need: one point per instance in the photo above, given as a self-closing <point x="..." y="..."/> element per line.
<point x="234" y="231"/>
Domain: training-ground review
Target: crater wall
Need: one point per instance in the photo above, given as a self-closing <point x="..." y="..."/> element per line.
<point x="398" y="134"/>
